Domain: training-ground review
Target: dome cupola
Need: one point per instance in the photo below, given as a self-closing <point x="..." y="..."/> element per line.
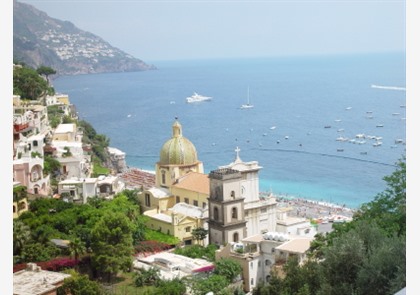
<point x="178" y="150"/>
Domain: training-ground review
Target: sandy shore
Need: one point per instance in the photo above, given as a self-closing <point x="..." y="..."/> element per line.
<point x="313" y="209"/>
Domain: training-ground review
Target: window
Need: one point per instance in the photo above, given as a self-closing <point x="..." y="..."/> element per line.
<point x="188" y="229"/>
<point x="195" y="202"/>
<point x="264" y="210"/>
<point x="186" y="200"/>
<point x="147" y="200"/>
<point x="163" y="174"/>
<point x="267" y="262"/>
<point x="252" y="282"/>
<point x="216" y="213"/>
<point x="236" y="237"/>
<point x="234" y="213"/>
<point x="178" y="199"/>
<point x="204" y="205"/>
<point x="35" y="143"/>
<point x="232" y="194"/>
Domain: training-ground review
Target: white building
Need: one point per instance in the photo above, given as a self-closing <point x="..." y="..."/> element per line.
<point x="236" y="208"/>
<point x="259" y="254"/>
<point x="28" y="165"/>
<point x="172" y="265"/>
<point x="79" y="189"/>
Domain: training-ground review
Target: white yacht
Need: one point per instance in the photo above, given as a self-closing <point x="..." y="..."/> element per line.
<point x="197" y="98"/>
<point x="248" y="105"/>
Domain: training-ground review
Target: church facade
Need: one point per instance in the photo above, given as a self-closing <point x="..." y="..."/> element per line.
<point x="226" y="201"/>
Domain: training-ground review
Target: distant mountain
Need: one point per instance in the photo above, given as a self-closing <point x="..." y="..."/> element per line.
<point x="41" y="40"/>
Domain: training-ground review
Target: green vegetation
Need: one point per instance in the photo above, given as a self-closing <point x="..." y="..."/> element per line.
<point x="46" y="72"/>
<point x="365" y="256"/>
<point x="197" y="251"/>
<point x="29" y="84"/>
<point x="153" y="235"/>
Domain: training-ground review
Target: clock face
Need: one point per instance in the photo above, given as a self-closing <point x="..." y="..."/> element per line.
<point x="242" y="190"/>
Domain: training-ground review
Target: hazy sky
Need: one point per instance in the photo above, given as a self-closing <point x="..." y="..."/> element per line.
<point x="159" y="30"/>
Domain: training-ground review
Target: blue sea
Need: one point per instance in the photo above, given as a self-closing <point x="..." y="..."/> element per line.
<point x="301" y="106"/>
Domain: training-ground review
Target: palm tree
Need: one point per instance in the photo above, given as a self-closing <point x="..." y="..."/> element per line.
<point x="21" y="235"/>
<point x="77" y="247"/>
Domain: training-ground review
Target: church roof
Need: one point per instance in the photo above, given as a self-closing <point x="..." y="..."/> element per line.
<point x="189" y="210"/>
<point x="159" y="192"/>
<point x="194" y="181"/>
<point x="240" y="165"/>
<point x="178" y="150"/>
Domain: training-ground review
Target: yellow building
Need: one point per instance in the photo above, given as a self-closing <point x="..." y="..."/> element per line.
<point x="178" y="202"/>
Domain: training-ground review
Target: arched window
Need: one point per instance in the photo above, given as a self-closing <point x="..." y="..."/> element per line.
<point x="163" y="177"/>
<point x="267" y="262"/>
<point x="216" y="213"/>
<point x="236" y="237"/>
<point x="234" y="213"/>
<point x="232" y="194"/>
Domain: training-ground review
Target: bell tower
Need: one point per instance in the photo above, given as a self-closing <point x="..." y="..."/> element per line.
<point x="226" y="207"/>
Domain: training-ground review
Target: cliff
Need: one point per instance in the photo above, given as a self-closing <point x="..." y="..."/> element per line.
<point x="41" y="40"/>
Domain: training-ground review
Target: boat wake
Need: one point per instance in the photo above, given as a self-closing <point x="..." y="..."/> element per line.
<point x="388" y="87"/>
<point x="329" y="155"/>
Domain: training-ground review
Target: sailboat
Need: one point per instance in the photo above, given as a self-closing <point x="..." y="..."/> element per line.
<point x="247" y="105"/>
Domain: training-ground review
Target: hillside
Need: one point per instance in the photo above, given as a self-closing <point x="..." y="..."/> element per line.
<point x="41" y="40"/>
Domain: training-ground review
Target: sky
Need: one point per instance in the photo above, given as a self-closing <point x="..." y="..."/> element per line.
<point x="170" y="30"/>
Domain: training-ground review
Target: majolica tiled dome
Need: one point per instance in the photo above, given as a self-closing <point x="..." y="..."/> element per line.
<point x="178" y="150"/>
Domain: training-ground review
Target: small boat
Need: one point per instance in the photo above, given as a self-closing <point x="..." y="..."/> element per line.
<point x="395" y="114"/>
<point x="247" y="105"/>
<point x="286" y="137"/>
<point x="378" y="143"/>
<point x="273" y="127"/>
<point x="197" y="98"/>
<point x="129" y="115"/>
<point x="348" y="108"/>
<point x="327" y="126"/>
<point x="340" y="130"/>
<point x="363" y="153"/>
<point x="379" y="125"/>
<point x="340" y="150"/>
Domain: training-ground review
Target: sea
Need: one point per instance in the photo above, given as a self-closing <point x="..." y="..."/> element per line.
<point x="324" y="128"/>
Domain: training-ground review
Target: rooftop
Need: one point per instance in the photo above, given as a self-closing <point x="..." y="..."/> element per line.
<point x="137" y="178"/>
<point x="194" y="181"/>
<point x="35" y="281"/>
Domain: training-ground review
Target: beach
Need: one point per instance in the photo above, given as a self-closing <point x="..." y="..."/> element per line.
<point x="312" y="209"/>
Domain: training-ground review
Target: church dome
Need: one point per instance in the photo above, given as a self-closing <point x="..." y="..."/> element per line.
<point x="178" y="150"/>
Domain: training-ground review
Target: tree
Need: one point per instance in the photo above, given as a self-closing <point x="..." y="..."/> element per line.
<point x="29" y="84"/>
<point x="146" y="277"/>
<point x="214" y="283"/>
<point x="21" y="235"/>
<point x="112" y="244"/>
<point x="79" y="284"/>
<point x="389" y="207"/>
<point x="228" y="268"/>
<point x="77" y="247"/>
<point x="199" y="234"/>
<point x="46" y="71"/>
<point x="171" y="287"/>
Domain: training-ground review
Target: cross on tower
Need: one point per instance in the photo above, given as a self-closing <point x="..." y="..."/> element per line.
<point x="237" y="150"/>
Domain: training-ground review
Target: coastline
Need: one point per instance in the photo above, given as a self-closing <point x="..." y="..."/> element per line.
<point x="312" y="209"/>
